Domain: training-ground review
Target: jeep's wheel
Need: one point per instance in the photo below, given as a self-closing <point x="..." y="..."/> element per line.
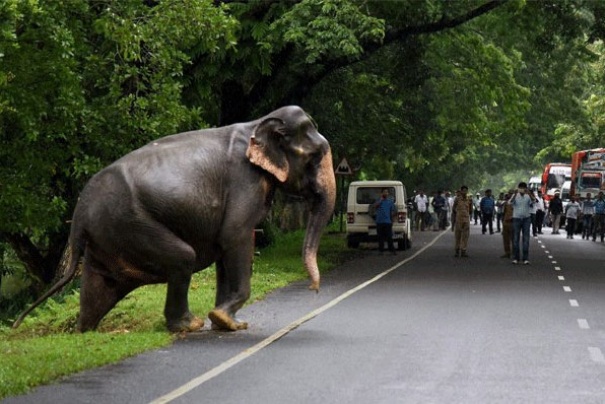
<point x="352" y="243"/>
<point x="401" y="244"/>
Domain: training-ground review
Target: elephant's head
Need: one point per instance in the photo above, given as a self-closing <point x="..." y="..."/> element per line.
<point x="287" y="144"/>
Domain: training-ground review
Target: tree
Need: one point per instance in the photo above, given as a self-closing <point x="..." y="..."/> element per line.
<point x="81" y="84"/>
<point x="428" y="91"/>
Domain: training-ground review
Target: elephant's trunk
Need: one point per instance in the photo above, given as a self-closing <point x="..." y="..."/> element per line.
<point x="321" y="210"/>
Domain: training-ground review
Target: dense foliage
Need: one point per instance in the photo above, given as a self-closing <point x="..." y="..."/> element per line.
<point x="435" y="93"/>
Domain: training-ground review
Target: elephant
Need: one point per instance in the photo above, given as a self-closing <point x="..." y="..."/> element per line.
<point x="183" y="202"/>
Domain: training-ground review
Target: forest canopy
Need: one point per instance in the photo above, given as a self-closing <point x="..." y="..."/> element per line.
<point x="436" y="93"/>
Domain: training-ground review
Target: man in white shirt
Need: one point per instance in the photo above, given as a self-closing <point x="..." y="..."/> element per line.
<point x="540" y="213"/>
<point x="522" y="201"/>
<point x="422" y="202"/>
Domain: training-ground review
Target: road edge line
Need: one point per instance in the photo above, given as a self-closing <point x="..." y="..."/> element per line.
<point x="212" y="373"/>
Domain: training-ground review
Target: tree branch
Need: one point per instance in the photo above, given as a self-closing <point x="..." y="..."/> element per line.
<point x="306" y="82"/>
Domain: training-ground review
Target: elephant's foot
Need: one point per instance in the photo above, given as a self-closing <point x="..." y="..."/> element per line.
<point x="189" y="324"/>
<point x="223" y="321"/>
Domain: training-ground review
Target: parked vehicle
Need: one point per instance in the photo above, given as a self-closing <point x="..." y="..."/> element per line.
<point x="361" y="227"/>
<point x="553" y="178"/>
<point x="535" y="183"/>
<point x="587" y="172"/>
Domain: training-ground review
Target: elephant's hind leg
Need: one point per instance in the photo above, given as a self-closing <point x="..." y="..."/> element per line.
<point x="157" y="252"/>
<point x="98" y="295"/>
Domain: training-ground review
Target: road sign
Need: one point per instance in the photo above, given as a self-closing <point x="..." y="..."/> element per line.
<point x="343" y="168"/>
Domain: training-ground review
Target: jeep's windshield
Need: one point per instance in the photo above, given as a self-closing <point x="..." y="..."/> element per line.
<point x="367" y="195"/>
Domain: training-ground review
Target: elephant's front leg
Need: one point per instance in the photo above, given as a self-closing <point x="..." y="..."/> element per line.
<point x="233" y="273"/>
<point x="176" y="311"/>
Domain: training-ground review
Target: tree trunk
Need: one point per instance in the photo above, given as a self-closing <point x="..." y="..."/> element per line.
<point x="41" y="268"/>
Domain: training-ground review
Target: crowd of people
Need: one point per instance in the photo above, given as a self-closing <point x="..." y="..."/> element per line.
<point x="518" y="214"/>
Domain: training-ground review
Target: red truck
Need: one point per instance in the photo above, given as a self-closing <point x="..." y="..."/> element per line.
<point x="553" y="178"/>
<point x="587" y="172"/>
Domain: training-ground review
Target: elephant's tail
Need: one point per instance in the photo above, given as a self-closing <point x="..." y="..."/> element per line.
<point x="68" y="266"/>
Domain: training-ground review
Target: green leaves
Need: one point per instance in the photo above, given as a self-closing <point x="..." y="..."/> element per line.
<point x="328" y="29"/>
<point x="81" y="84"/>
<point x="428" y="91"/>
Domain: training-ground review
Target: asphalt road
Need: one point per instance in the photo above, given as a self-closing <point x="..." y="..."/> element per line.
<point x="419" y="327"/>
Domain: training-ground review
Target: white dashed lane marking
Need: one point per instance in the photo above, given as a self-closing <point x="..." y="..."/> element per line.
<point x="596" y="354"/>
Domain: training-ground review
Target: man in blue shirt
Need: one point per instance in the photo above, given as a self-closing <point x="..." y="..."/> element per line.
<point x="599" y="221"/>
<point x="522" y="202"/>
<point x="385" y="213"/>
<point x="439" y="205"/>
<point x="487" y="206"/>
<point x="587" y="216"/>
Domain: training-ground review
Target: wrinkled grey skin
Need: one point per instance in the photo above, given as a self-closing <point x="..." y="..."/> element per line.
<point x="183" y="202"/>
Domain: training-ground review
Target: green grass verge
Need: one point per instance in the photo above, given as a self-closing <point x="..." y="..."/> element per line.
<point x="45" y="347"/>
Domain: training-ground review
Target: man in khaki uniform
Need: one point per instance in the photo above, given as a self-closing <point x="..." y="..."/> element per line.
<point x="463" y="207"/>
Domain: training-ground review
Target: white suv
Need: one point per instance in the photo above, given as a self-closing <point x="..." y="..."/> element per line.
<point x="360" y="225"/>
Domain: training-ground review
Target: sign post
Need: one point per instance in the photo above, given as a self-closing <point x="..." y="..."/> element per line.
<point x="342" y="169"/>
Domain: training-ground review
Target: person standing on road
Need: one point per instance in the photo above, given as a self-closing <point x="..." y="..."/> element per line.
<point x="572" y="210"/>
<point x="599" y="218"/>
<point x="555" y="209"/>
<point x="587" y="216"/>
<point x="450" y="202"/>
<point x="540" y="213"/>
<point x="453" y="212"/>
<point x="385" y="213"/>
<point x="507" y="225"/>
<point x="521" y="202"/>
<point x="422" y="202"/>
<point x="500" y="211"/>
<point x="439" y="205"/>
<point x="463" y="207"/>
<point x="477" y="208"/>
<point x="487" y="206"/>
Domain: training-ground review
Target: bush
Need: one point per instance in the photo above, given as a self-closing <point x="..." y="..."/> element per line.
<point x="266" y="235"/>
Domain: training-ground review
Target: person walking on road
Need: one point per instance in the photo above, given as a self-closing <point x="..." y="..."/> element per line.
<point x="385" y="213"/>
<point x="599" y="218"/>
<point x="439" y="204"/>
<point x="477" y="208"/>
<point x="521" y="202"/>
<point x="555" y="209"/>
<point x="500" y="211"/>
<point x="487" y="206"/>
<point x="540" y="213"/>
<point x="587" y="216"/>
<point x="572" y="210"/>
<point x="507" y="226"/>
<point x="422" y="203"/>
<point x="463" y="207"/>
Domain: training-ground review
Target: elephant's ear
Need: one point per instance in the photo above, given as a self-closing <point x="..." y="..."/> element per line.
<point x="264" y="149"/>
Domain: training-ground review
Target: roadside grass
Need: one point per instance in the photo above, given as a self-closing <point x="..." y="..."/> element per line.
<point x="46" y="348"/>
